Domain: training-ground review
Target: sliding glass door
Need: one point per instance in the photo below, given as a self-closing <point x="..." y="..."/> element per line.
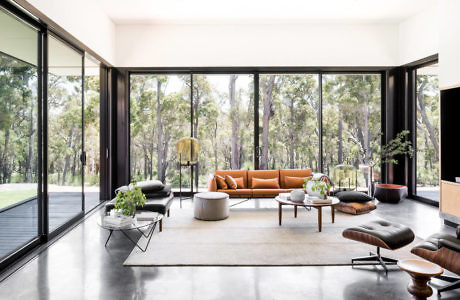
<point x="427" y="137"/>
<point x="351" y="115"/>
<point x="223" y="123"/>
<point x="19" y="173"/>
<point x="159" y="117"/>
<point x="65" y="133"/>
<point x="289" y="132"/>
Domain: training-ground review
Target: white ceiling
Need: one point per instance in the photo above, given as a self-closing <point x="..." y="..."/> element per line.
<point x="260" y="11"/>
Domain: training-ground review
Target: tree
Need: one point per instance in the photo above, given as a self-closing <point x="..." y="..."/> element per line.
<point x="269" y="85"/>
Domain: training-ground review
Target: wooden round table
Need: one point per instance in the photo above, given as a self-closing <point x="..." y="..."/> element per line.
<point x="421" y="272"/>
<point x="307" y="203"/>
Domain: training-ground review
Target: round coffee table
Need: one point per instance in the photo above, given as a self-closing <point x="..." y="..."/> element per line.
<point x="135" y="225"/>
<point x="307" y="203"/>
<point x="421" y="272"/>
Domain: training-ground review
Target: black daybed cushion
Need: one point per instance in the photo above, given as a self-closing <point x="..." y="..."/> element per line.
<point x="150" y="185"/>
<point x="164" y="192"/>
<point x="352" y="196"/>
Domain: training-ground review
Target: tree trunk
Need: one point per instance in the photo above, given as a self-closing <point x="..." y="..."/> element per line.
<point x="216" y="166"/>
<point x="67" y="157"/>
<point x="426" y="121"/>
<point x="268" y="112"/>
<point x="234" y="116"/>
<point x="160" y="155"/>
<point x="28" y="175"/>
<point x="340" y="146"/>
<point x="291" y="134"/>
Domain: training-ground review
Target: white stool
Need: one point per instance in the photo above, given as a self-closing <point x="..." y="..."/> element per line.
<point x="211" y="206"/>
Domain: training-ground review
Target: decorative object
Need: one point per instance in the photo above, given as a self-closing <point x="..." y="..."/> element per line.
<point x="421" y="272"/>
<point x="297" y="195"/>
<point x="388" y="153"/>
<point x="382" y="234"/>
<point x="187" y="152"/>
<point x="315" y="187"/>
<point x="390" y="193"/>
<point x="128" y="200"/>
<point x="345" y="177"/>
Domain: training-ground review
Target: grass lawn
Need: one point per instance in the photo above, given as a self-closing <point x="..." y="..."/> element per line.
<point x="11" y="197"/>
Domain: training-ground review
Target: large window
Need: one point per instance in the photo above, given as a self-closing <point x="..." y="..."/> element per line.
<point x="427" y="122"/>
<point x="159" y="117"/>
<point x="288" y="129"/>
<point x="223" y="122"/>
<point x="65" y="133"/>
<point x="18" y="134"/>
<point x="351" y="122"/>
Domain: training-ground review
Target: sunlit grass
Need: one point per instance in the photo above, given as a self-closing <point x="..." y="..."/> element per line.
<point x="12" y="197"/>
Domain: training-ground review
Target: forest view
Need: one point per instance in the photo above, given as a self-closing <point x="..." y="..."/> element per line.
<point x="427" y="146"/>
<point x="223" y="122"/>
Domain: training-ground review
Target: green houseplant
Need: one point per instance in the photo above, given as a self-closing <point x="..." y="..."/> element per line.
<point x="316" y="187"/>
<point x="127" y="200"/>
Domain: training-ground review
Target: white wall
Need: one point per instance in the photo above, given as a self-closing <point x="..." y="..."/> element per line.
<point x="449" y="43"/>
<point x="85" y="21"/>
<point x="256" y="45"/>
<point x="419" y="36"/>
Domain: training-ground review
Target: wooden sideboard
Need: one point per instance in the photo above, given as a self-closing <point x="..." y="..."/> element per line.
<point x="450" y="198"/>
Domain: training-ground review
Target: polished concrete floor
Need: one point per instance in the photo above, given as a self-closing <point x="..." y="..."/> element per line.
<point x="77" y="266"/>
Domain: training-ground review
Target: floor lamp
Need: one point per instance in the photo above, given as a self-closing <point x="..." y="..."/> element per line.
<point x="187" y="151"/>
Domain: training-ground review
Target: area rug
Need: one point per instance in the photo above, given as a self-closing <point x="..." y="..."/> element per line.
<point x="252" y="237"/>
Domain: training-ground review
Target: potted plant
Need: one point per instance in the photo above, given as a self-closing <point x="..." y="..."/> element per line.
<point x="127" y="200"/>
<point x="315" y="187"/>
<point x="387" y="153"/>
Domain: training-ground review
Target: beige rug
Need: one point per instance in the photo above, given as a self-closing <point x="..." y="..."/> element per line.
<point x="252" y="237"/>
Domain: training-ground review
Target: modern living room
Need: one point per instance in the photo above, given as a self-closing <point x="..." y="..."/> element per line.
<point x="240" y="150"/>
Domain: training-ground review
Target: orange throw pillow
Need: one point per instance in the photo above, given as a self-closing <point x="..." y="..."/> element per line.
<point x="231" y="182"/>
<point x="239" y="182"/>
<point x="294" y="182"/>
<point x="221" y="184"/>
<point x="259" y="183"/>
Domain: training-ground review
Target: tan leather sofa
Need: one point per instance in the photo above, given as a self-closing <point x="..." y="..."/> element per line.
<point x="288" y="179"/>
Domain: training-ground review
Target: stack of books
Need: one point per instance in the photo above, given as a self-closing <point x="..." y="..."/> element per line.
<point x="146" y="216"/>
<point x="117" y="221"/>
<point x="321" y="201"/>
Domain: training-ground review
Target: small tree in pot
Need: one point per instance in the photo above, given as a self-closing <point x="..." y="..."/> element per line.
<point x="127" y="200"/>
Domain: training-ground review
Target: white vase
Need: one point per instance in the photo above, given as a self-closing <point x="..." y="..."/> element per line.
<point x="297" y="195"/>
<point x="317" y="193"/>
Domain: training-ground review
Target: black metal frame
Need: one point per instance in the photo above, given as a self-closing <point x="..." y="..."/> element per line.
<point x="411" y="74"/>
<point x="43" y="32"/>
<point x="256" y="72"/>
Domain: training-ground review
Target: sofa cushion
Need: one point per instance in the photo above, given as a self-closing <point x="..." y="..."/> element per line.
<point x="293" y="173"/>
<point x="239" y="182"/>
<point x="263" y="174"/>
<point x="231" y="182"/>
<point x="234" y="174"/>
<point x="260" y="183"/>
<point x="221" y="183"/>
<point x="294" y="182"/>
<point x="355" y="208"/>
<point x="352" y="196"/>
<point x="150" y="185"/>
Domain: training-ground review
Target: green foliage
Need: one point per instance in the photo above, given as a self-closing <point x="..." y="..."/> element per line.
<point x="128" y="200"/>
<point x="318" y="186"/>
<point x="398" y="146"/>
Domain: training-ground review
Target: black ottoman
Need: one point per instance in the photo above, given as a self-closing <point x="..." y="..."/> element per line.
<point x="383" y="234"/>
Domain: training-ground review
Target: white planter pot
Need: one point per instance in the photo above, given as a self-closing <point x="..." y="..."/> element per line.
<point x="317" y="193"/>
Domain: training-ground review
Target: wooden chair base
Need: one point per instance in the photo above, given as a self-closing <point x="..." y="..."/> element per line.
<point x="376" y="257"/>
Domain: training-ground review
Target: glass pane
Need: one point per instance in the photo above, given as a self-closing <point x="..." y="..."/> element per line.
<point x="18" y="134"/>
<point x="64" y="133"/>
<point x="428" y="133"/>
<point x="289" y="129"/>
<point x="92" y="129"/>
<point x="223" y="123"/>
<point x="159" y="117"/>
<point x="352" y="123"/>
